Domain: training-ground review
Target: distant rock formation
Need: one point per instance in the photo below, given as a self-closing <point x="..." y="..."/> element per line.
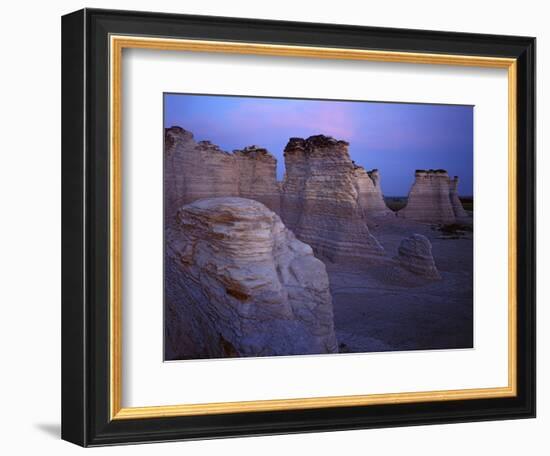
<point x="458" y="209"/>
<point x="433" y="198"/>
<point x="195" y="170"/>
<point x="320" y="200"/>
<point x="238" y="283"/>
<point x="369" y="192"/>
<point x="415" y="255"/>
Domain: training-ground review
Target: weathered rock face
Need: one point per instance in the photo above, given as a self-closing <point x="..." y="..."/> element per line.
<point x="258" y="176"/>
<point x="415" y="255"/>
<point x="238" y="283"/>
<point x="369" y="192"/>
<point x="195" y="170"/>
<point x="320" y="200"/>
<point x="429" y="199"/>
<point x="458" y="209"/>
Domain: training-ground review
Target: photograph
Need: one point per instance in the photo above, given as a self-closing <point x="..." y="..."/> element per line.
<point x="316" y="227"/>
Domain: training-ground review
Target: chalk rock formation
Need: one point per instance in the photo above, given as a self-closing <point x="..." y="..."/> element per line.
<point x="415" y="255"/>
<point x="320" y="200"/>
<point x="258" y="176"/>
<point x="429" y="199"/>
<point x="458" y="209"/>
<point x="195" y="170"/>
<point x="238" y="283"/>
<point x="369" y="192"/>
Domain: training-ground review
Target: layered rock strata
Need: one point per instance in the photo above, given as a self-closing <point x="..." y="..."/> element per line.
<point x="415" y="255"/>
<point x="369" y="192"/>
<point x="430" y="198"/>
<point x="238" y="283"/>
<point x="195" y="170"/>
<point x="320" y="200"/>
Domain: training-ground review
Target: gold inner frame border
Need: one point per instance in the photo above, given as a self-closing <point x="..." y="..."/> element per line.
<point x="116" y="46"/>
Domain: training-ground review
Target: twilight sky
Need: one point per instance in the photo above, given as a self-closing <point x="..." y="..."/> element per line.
<point x="396" y="138"/>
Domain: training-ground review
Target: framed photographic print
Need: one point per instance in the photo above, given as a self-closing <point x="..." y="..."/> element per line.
<point x="279" y="227"/>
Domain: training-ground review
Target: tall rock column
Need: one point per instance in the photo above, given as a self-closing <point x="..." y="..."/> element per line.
<point x="429" y="199"/>
<point x="320" y="200"/>
<point x="369" y="192"/>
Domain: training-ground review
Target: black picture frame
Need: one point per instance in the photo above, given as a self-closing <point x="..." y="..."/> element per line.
<point x="85" y="227"/>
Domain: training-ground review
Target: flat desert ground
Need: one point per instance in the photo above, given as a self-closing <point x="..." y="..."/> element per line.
<point x="385" y="308"/>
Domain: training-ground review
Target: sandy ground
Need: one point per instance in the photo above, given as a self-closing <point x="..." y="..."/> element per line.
<point x="383" y="307"/>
